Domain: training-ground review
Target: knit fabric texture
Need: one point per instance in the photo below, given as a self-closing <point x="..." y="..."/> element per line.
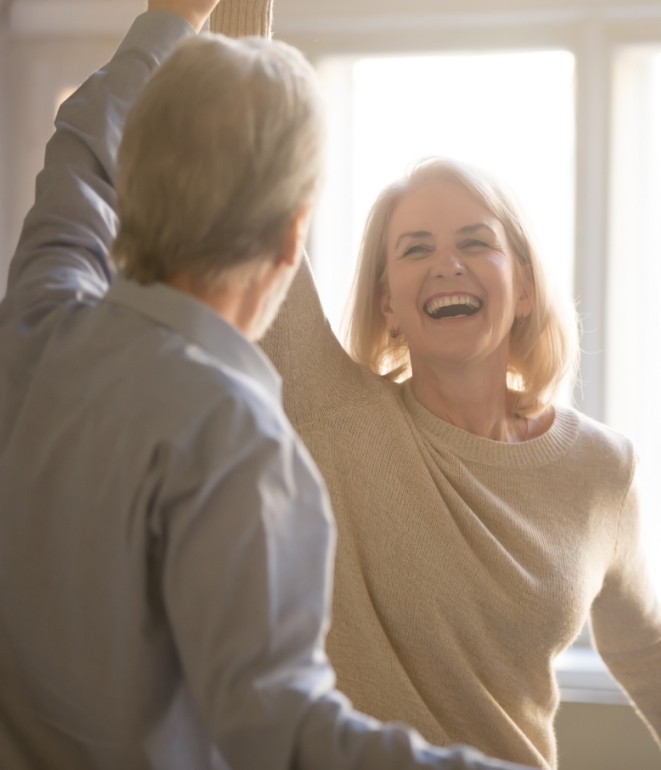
<point x="237" y="18"/>
<point x="465" y="565"/>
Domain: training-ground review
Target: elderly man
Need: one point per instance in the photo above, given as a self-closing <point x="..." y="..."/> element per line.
<point x="165" y="540"/>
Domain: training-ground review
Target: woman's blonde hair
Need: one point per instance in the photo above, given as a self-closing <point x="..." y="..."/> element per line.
<point x="543" y="345"/>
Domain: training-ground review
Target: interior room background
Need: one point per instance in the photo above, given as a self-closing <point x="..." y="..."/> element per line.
<point x="560" y="100"/>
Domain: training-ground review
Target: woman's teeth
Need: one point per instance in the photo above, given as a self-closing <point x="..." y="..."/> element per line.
<point x="451" y="307"/>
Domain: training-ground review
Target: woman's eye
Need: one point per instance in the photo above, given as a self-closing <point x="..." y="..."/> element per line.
<point x="417" y="249"/>
<point x="473" y="244"/>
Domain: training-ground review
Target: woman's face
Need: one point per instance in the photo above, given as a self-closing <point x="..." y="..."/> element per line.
<point x="454" y="285"/>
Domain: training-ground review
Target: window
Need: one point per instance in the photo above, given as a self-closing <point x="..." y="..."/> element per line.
<point x="509" y="113"/>
<point x="633" y="319"/>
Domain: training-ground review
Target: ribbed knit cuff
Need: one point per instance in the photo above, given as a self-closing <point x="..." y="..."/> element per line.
<point x="237" y="18"/>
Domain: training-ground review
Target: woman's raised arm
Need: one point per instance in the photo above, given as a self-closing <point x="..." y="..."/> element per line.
<point x="318" y="375"/>
<point x="236" y="18"/>
<point x="316" y="370"/>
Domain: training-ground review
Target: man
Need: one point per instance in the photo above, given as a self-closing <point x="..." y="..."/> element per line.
<point x="165" y="540"/>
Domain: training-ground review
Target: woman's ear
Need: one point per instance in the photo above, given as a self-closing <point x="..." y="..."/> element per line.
<point x="392" y="325"/>
<point x="384" y="302"/>
<point x="526" y="288"/>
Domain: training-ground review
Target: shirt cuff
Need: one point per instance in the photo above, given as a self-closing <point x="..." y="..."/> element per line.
<point x="237" y="18"/>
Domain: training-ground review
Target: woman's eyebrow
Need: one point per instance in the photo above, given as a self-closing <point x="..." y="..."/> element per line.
<point x="468" y="229"/>
<point x="416" y="234"/>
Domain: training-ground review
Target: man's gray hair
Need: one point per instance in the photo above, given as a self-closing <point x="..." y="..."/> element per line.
<point x="221" y="150"/>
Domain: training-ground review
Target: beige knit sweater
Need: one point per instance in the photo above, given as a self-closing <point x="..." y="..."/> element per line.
<point x="464" y="565"/>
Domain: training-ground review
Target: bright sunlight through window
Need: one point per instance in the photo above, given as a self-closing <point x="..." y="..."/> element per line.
<point x="634" y="323"/>
<point x="509" y="113"/>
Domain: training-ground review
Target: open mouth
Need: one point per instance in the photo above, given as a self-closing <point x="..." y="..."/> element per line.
<point x="452" y="307"/>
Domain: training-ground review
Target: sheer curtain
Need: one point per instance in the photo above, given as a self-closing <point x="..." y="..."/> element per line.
<point x="634" y="269"/>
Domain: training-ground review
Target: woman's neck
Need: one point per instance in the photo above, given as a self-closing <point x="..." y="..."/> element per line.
<point x="473" y="397"/>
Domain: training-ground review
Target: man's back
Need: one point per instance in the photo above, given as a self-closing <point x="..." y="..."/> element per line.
<point x="134" y="423"/>
<point x="154" y="499"/>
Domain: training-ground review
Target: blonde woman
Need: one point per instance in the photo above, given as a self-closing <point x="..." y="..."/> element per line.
<point x="479" y="524"/>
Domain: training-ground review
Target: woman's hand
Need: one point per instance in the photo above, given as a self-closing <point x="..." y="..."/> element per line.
<point x="196" y="12"/>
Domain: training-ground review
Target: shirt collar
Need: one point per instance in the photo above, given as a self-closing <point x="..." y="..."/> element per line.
<point x="199" y="324"/>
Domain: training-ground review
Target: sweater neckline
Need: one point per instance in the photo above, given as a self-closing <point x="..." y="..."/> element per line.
<point x="544" y="449"/>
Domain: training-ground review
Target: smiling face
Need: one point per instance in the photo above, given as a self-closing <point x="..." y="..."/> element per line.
<point x="453" y="284"/>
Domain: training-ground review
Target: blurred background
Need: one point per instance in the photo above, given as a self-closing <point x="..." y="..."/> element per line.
<point x="560" y="100"/>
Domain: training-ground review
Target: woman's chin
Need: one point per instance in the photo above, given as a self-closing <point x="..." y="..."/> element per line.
<point x="457" y="351"/>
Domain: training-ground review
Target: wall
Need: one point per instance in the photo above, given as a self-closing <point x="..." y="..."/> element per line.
<point x="4" y="138"/>
<point x="319" y="26"/>
<point x="46" y="47"/>
<point x="593" y="736"/>
<point x="41" y="71"/>
<point x="311" y="9"/>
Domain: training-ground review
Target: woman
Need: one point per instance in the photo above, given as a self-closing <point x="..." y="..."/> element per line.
<point x="479" y="525"/>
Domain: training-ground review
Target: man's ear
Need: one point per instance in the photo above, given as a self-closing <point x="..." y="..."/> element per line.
<point x="294" y="237"/>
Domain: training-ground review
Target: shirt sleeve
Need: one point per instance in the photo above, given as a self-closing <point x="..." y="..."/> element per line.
<point x="247" y="577"/>
<point x="626" y="618"/>
<point x="63" y="251"/>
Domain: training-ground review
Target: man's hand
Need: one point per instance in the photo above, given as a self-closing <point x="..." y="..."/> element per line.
<point x="196" y="12"/>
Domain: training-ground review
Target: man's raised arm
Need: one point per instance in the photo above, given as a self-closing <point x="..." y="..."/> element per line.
<point x="63" y="252"/>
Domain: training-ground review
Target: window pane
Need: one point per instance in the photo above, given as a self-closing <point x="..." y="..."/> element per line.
<point x="512" y="114"/>
<point x="634" y="322"/>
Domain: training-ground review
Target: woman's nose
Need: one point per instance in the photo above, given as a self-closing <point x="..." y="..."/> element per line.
<point x="448" y="264"/>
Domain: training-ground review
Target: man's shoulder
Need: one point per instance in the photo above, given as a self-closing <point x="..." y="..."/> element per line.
<point x="177" y="356"/>
<point x="223" y="388"/>
<point x="182" y="383"/>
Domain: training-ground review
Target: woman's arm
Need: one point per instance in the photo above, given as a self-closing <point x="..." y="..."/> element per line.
<point x="316" y="371"/>
<point x="318" y="375"/>
<point x="626" y="618"/>
<point x="236" y="18"/>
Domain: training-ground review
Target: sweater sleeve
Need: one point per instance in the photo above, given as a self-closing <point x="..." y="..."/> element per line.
<point x="236" y="18"/>
<point x="626" y="618"/>
<point x="318" y="374"/>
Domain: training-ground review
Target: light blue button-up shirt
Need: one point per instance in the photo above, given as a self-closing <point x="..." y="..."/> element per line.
<point x="166" y="542"/>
